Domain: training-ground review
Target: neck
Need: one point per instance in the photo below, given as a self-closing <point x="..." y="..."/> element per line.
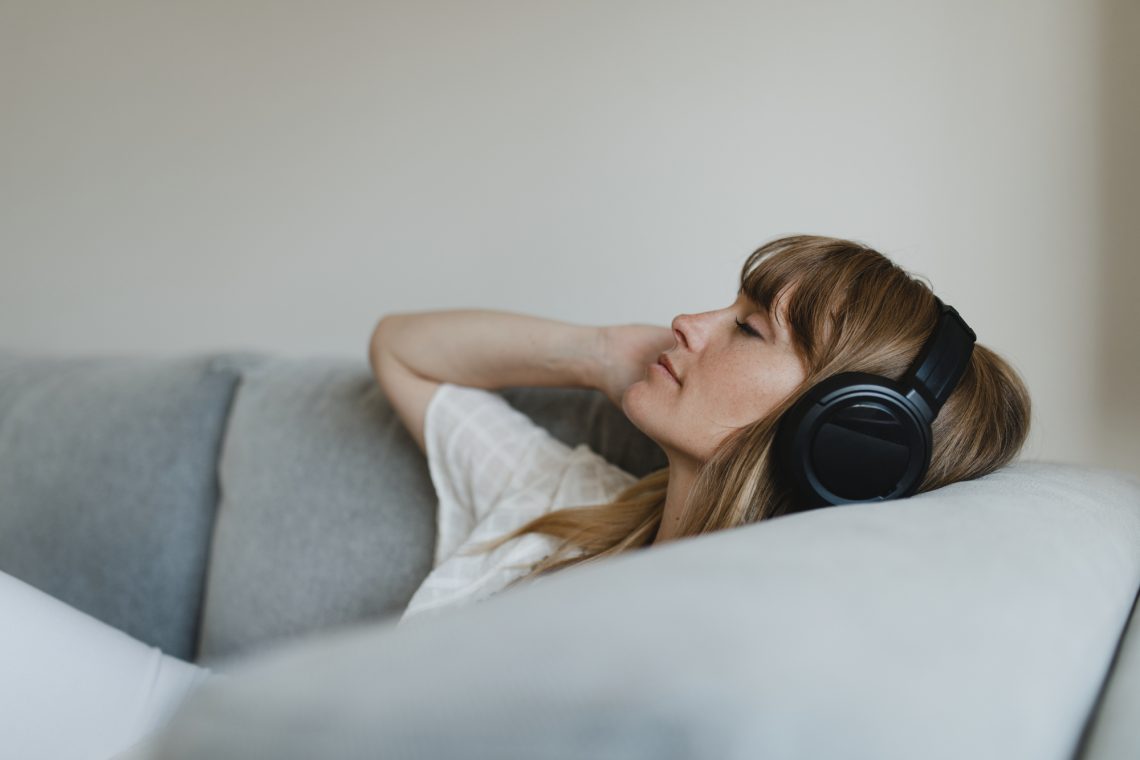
<point x="680" y="482"/>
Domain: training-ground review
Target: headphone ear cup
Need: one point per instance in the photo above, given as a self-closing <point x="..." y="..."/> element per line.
<point x="852" y="437"/>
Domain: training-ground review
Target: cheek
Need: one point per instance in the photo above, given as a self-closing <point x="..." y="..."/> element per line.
<point x="763" y="394"/>
<point x="781" y="386"/>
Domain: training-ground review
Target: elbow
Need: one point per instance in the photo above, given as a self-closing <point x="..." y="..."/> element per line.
<point x="381" y="341"/>
<point x="375" y="340"/>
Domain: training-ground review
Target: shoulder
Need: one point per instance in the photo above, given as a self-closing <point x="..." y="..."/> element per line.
<point x="491" y="462"/>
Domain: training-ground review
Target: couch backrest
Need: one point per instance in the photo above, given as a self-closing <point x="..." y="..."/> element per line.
<point x="212" y="504"/>
<point x="108" y="487"/>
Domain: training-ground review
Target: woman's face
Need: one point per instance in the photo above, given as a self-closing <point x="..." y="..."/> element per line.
<point x="727" y="378"/>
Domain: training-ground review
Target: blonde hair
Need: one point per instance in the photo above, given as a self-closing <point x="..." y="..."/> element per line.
<point x="850" y="309"/>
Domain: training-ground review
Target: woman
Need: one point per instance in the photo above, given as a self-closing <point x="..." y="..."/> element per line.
<point x="516" y="503"/>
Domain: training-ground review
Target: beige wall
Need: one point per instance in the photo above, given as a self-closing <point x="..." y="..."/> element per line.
<point x="276" y="176"/>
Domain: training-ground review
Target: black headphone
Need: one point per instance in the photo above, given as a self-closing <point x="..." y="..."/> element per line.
<point x="858" y="437"/>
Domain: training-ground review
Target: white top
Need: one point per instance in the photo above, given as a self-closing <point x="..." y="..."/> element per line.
<point x="494" y="469"/>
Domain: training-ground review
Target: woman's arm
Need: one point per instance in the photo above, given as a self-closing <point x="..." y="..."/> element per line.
<point x="412" y="353"/>
<point x="492" y="349"/>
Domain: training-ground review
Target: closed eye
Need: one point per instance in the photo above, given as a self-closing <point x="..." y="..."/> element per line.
<point x="744" y="327"/>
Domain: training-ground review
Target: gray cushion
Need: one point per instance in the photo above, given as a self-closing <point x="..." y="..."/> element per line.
<point x="327" y="510"/>
<point x="108" y="487"/>
<point x="975" y="621"/>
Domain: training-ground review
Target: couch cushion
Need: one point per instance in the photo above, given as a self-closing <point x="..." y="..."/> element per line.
<point x="328" y="512"/>
<point x="974" y="621"/>
<point x="108" y="484"/>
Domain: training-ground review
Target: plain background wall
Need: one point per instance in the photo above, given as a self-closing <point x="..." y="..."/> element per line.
<point x="207" y="176"/>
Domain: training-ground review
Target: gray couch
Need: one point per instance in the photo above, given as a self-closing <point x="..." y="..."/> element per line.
<point x="271" y="517"/>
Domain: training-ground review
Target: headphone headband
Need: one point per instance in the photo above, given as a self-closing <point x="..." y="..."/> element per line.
<point x="941" y="362"/>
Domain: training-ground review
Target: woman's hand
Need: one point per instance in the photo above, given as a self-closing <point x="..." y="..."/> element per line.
<point x="625" y="353"/>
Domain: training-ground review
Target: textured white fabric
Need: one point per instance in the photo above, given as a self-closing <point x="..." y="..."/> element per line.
<point x="494" y="469"/>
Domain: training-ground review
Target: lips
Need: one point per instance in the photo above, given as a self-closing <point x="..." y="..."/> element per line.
<point x="663" y="360"/>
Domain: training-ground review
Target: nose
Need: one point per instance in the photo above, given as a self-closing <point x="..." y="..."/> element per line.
<point x="690" y="329"/>
<point x="680" y="325"/>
